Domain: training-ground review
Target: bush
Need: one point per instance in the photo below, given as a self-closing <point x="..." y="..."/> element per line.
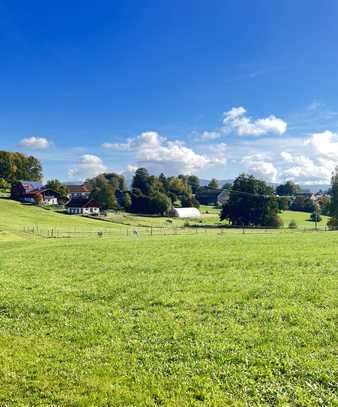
<point x="315" y="217"/>
<point x="275" y="222"/>
<point x="293" y="224"/>
<point x="332" y="223"/>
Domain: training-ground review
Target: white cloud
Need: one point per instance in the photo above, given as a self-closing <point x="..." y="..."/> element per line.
<point x="116" y="146"/>
<point x="35" y="143"/>
<point x="88" y="166"/>
<point x="306" y="171"/>
<point x="325" y="143"/>
<point x="235" y="120"/>
<point x="286" y="156"/>
<point x="209" y="135"/>
<point x="257" y="165"/>
<point x="159" y="154"/>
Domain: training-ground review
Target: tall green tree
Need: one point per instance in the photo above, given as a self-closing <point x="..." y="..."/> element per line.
<point x="103" y="192"/>
<point x="251" y="203"/>
<point x="213" y="183"/>
<point x="194" y="183"/>
<point x="142" y="181"/>
<point x="117" y="181"/>
<point x="58" y="187"/>
<point x="17" y="167"/>
<point x="288" y="189"/>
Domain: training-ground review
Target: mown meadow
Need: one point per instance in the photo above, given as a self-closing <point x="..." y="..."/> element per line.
<point x="210" y="320"/>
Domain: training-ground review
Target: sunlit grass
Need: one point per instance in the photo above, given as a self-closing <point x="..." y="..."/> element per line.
<point x="176" y="321"/>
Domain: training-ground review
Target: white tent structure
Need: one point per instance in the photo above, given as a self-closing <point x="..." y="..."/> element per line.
<point x="186" y="213"/>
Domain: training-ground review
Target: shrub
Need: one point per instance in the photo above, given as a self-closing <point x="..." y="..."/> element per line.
<point x="293" y="224"/>
<point x="332" y="223"/>
<point x="275" y="222"/>
<point x="315" y="217"/>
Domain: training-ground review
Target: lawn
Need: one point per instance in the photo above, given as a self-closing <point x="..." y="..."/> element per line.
<point x="302" y="219"/>
<point x="15" y="216"/>
<point x="174" y="321"/>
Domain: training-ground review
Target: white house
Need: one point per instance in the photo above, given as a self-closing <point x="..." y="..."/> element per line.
<point x="83" y="206"/>
<point x="186" y="212"/>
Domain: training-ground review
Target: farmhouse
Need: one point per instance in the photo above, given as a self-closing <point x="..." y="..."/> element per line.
<point x="33" y="192"/>
<point x="78" y="190"/>
<point x="20" y="189"/>
<point x="186" y="213"/>
<point x="223" y="197"/>
<point x="44" y="196"/>
<point x="83" y="206"/>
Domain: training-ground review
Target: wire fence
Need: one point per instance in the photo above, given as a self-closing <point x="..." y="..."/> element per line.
<point x="100" y="233"/>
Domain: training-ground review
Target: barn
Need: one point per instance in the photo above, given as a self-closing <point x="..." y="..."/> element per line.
<point x="186" y="212"/>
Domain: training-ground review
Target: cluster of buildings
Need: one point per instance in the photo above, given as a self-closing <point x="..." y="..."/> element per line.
<point x="77" y="201"/>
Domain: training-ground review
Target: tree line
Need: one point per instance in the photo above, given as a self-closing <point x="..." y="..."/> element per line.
<point x="249" y="201"/>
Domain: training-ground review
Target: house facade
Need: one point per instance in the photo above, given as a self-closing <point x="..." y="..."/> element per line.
<point x="83" y="206"/>
<point x="78" y="191"/>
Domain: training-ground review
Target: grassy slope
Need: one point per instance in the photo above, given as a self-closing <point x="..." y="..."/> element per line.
<point x="177" y="321"/>
<point x="302" y="219"/>
<point x="14" y="216"/>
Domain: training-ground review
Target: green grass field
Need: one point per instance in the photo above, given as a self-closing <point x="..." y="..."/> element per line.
<point x="202" y="320"/>
<point x="15" y="216"/>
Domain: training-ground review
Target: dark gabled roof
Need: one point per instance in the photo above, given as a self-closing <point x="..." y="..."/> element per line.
<point x="30" y="185"/>
<point x="83" y="203"/>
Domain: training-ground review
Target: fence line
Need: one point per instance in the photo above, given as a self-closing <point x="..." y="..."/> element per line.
<point x="55" y="233"/>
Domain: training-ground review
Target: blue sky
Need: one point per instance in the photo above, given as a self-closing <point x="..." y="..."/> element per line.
<point x="207" y="87"/>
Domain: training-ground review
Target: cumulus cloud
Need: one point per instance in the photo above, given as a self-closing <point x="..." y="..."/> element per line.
<point x="87" y="166"/>
<point x="325" y="143"/>
<point x="236" y="120"/>
<point x="35" y="143"/>
<point x="306" y="170"/>
<point x="258" y="166"/>
<point x="158" y="154"/>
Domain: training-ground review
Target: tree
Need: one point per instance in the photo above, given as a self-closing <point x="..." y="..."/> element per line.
<point x="194" y="183"/>
<point x="189" y="200"/>
<point x="283" y="203"/>
<point x="334" y="199"/>
<point x="142" y="181"/>
<point x="251" y="203"/>
<point x="213" y="183"/>
<point x="17" y="167"/>
<point x="126" y="201"/>
<point x="160" y="203"/>
<point x="102" y="192"/>
<point x="288" y="189"/>
<point x="117" y="181"/>
<point x="58" y="187"/>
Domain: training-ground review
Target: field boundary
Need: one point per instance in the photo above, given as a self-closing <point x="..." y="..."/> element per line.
<point x="142" y="231"/>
